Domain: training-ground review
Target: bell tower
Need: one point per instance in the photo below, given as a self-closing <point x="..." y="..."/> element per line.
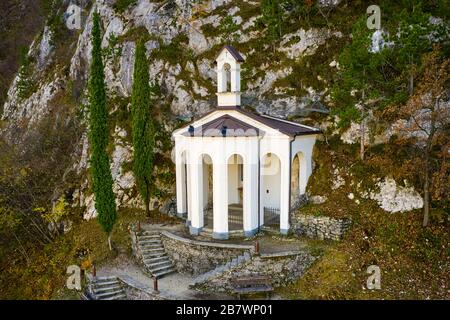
<point x="229" y="77"/>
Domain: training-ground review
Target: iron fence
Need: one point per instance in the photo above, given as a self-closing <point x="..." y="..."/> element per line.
<point x="271" y="216"/>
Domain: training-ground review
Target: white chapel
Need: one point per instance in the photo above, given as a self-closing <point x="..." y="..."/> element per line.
<point x="237" y="171"/>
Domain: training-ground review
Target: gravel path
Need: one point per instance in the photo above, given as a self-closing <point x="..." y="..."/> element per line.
<point x="174" y="286"/>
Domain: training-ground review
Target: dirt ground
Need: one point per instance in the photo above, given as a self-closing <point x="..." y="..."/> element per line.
<point x="176" y="286"/>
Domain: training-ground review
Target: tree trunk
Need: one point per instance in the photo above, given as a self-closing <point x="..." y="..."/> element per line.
<point x="362" y="129"/>
<point x="147" y="201"/>
<point x="426" y="196"/>
<point x="109" y="242"/>
<point x="362" y="125"/>
<point x="411" y="76"/>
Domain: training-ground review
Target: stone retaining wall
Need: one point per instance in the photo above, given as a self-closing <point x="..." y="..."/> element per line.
<point x="281" y="268"/>
<point x="197" y="257"/>
<point x="319" y="227"/>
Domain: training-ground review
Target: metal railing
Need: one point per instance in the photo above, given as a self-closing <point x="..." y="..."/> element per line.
<point x="271" y="216"/>
<point x="234" y="216"/>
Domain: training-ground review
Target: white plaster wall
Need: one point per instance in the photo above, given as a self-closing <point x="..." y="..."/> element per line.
<point x="226" y="58"/>
<point x="180" y="172"/>
<point x="228" y="99"/>
<point x="271" y="183"/>
<point x="303" y="146"/>
<point x="225" y="97"/>
<point x="252" y="150"/>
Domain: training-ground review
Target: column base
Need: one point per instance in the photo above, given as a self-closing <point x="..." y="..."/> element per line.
<point x="182" y="215"/>
<point x="188" y="223"/>
<point x="195" y="231"/>
<point x="250" y="233"/>
<point x="284" y="231"/>
<point x="220" y="235"/>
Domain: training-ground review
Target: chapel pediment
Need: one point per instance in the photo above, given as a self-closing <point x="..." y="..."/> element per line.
<point x="223" y="126"/>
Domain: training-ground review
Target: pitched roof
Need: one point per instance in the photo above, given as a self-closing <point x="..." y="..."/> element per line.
<point x="233" y="52"/>
<point x="227" y="125"/>
<point x="287" y="127"/>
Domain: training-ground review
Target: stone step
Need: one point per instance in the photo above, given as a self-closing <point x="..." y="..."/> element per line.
<point x="153" y="255"/>
<point x="104" y="289"/>
<point x="104" y="278"/>
<point x="146" y="242"/>
<point x="153" y="264"/>
<point x="151" y="240"/>
<point x="161" y="267"/>
<point x="162" y="273"/>
<point x="116" y="297"/>
<point x="151" y="250"/>
<point x="105" y="283"/>
<point x="149" y="235"/>
<point x="151" y="245"/>
<point x="152" y="259"/>
<point x="109" y="294"/>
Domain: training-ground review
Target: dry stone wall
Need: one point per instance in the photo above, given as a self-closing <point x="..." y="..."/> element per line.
<point x="319" y="227"/>
<point x="281" y="268"/>
<point x="197" y="257"/>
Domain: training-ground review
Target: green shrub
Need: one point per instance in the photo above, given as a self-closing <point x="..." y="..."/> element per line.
<point x="121" y="5"/>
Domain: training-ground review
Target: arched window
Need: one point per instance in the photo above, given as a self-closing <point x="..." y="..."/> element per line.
<point x="227" y="74"/>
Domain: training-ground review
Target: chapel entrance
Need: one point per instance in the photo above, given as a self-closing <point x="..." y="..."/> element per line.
<point x="297" y="180"/>
<point x="235" y="193"/>
<point x="207" y="192"/>
<point x="271" y="196"/>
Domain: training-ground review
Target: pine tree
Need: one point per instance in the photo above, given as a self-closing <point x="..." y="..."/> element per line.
<point x="99" y="136"/>
<point x="143" y="128"/>
<point x="360" y="83"/>
<point x="272" y="17"/>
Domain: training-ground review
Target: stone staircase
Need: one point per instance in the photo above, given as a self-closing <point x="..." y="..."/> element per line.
<point x="107" y="288"/>
<point x="222" y="268"/>
<point x="154" y="255"/>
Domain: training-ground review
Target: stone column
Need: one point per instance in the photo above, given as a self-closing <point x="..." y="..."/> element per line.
<point x="284" y="195"/>
<point x="251" y="188"/>
<point x="221" y="79"/>
<point x="236" y="78"/>
<point x="220" y="198"/>
<point x="196" y="189"/>
<point x="181" y="185"/>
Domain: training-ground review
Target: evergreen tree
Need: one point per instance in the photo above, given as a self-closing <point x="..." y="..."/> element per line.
<point x="98" y="137"/>
<point x="143" y="128"/>
<point x="413" y="39"/>
<point x="361" y="83"/>
<point x="272" y="15"/>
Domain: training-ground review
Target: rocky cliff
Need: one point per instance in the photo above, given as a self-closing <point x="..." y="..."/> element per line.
<point x="291" y="80"/>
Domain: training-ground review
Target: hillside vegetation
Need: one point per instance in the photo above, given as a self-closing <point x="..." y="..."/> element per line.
<point x="314" y="62"/>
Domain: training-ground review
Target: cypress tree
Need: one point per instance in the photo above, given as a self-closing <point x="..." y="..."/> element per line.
<point x="99" y="136"/>
<point x="143" y="128"/>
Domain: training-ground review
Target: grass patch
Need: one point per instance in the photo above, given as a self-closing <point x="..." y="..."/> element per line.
<point x="121" y="5"/>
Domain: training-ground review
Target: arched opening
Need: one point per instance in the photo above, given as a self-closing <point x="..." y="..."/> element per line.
<point x="207" y="190"/>
<point x="271" y="189"/>
<point x="235" y="192"/>
<point x="298" y="179"/>
<point x="227" y="75"/>
<point x="295" y="181"/>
